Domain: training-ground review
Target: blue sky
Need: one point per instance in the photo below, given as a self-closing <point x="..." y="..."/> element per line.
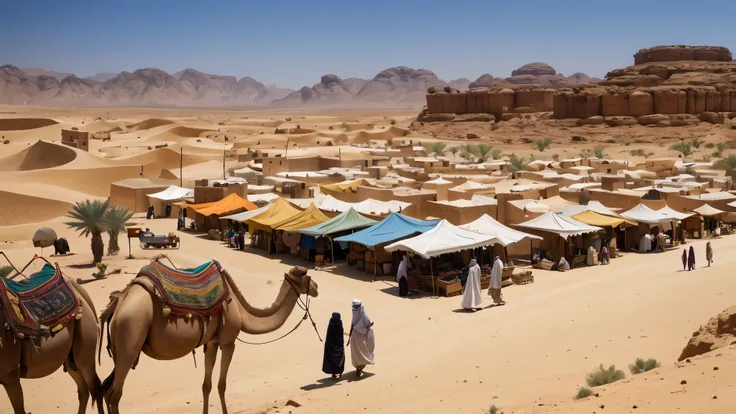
<point x="293" y="42"/>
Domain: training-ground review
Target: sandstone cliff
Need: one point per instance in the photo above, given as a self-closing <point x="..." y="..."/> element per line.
<point x="664" y="80"/>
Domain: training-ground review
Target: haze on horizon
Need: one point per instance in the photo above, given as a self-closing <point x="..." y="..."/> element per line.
<point x="293" y="43"/>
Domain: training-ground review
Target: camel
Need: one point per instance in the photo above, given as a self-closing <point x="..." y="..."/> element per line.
<point x="136" y="323"/>
<point x="73" y="347"/>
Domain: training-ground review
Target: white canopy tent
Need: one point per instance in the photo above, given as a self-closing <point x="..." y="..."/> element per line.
<point x="595" y="206"/>
<point x="707" y="211"/>
<point x="159" y="201"/>
<point x="443" y="238"/>
<point x="246" y="215"/>
<point x="173" y="193"/>
<point x="369" y="206"/>
<point x="668" y="211"/>
<point x="487" y="225"/>
<point x="563" y="226"/>
<point x="644" y="214"/>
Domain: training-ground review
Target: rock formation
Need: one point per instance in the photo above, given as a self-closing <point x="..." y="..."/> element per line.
<point x="666" y="80"/>
<point x="719" y="332"/>
<point x="483" y="81"/>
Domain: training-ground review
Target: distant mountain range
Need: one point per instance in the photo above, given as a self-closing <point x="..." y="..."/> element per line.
<point x="397" y="87"/>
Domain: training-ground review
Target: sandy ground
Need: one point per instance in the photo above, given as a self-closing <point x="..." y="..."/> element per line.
<point x="529" y="356"/>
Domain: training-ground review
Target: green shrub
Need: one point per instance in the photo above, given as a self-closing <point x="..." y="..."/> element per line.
<point x="684" y="148"/>
<point x="695" y="143"/>
<point x="598" y="151"/>
<point x="719" y="150"/>
<point x="496" y="154"/>
<point x="604" y="376"/>
<point x="435" y="147"/>
<point x="638" y="153"/>
<point x="643" y="365"/>
<point x="494" y="410"/>
<point x="710" y="145"/>
<point x="583" y="393"/>
<point x="543" y="144"/>
<point x="517" y="163"/>
<point x="556" y="157"/>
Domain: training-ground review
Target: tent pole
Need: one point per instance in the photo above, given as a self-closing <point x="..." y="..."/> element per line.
<point x="431" y="271"/>
<point x="332" y="249"/>
<point x="181" y="162"/>
<point x="506" y="254"/>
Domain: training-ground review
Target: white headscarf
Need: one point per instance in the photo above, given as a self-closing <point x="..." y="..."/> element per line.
<point x="361" y="322"/>
<point x="472" y="263"/>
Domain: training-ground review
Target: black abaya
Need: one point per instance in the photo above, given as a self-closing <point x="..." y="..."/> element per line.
<point x="403" y="287"/>
<point x="334" y="357"/>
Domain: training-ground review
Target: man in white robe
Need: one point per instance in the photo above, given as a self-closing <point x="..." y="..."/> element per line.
<point x="563" y="265"/>
<point x="494" y="289"/>
<point x="361" y="339"/>
<point x="402" y="276"/>
<point x="472" y="299"/>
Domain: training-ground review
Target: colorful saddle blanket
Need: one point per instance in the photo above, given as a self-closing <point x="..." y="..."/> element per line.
<point x="199" y="291"/>
<point x="42" y="304"/>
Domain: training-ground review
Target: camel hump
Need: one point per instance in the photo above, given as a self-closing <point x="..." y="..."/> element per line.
<point x="297" y="271"/>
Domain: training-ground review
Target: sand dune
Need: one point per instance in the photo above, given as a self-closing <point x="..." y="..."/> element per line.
<point x="45" y="155"/>
<point x="165" y="158"/>
<point x="178" y="132"/>
<point x="391" y="133"/>
<point x="19" y="124"/>
<point x="102" y="126"/>
<point x="149" y="123"/>
<point x="357" y="127"/>
<point x="24" y="202"/>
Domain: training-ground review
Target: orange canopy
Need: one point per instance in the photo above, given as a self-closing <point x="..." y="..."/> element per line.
<point x="230" y="204"/>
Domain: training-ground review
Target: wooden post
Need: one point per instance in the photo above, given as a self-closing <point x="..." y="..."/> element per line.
<point x="181" y="162"/>
<point x="332" y="249"/>
<point x="431" y="271"/>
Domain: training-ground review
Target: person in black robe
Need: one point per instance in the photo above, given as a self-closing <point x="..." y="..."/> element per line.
<point x="334" y="359"/>
<point x="149" y="214"/>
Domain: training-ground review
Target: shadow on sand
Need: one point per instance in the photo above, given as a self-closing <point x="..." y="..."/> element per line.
<point x="329" y="382"/>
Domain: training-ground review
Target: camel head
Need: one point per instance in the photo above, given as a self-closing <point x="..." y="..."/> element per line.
<point x="299" y="279"/>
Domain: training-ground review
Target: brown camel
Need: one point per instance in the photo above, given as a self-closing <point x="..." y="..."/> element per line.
<point x="136" y="323"/>
<point x="73" y="347"/>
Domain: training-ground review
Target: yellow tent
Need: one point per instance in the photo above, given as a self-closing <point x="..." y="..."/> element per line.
<point x="343" y="187"/>
<point x="596" y="219"/>
<point x="280" y="212"/>
<point x="307" y="218"/>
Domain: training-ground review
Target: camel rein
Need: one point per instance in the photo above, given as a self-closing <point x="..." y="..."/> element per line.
<point x="304" y="305"/>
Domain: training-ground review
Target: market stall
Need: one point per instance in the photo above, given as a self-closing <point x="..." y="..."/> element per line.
<point x="229" y="204"/>
<point x="344" y="223"/>
<point x="650" y="224"/>
<point x="711" y="220"/>
<point x="486" y="224"/>
<point x="163" y="201"/>
<point x="261" y="226"/>
<point x="562" y="236"/>
<point x="366" y="246"/>
<point x="287" y="234"/>
<point x="613" y="226"/>
<point x="442" y="239"/>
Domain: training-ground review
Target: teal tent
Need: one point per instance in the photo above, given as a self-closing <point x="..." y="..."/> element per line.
<point x="347" y="220"/>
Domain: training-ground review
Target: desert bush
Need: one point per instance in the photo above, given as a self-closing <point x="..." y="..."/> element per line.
<point x="543" y="144"/>
<point x="638" y="153"/>
<point x="583" y="392"/>
<point x="598" y="151"/>
<point x="684" y="148"/>
<point x="710" y="145"/>
<point x="719" y="150"/>
<point x="496" y="154"/>
<point x="517" y="163"/>
<point x="435" y="147"/>
<point x="556" y="157"/>
<point x="454" y="150"/>
<point x="393" y="122"/>
<point x="494" y="410"/>
<point x="643" y="365"/>
<point x="695" y="143"/>
<point x="604" y="376"/>
<point x="482" y="151"/>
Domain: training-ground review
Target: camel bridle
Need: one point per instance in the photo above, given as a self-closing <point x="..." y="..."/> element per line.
<point x="303" y="305"/>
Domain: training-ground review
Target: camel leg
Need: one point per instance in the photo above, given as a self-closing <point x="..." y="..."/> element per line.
<point x="128" y="343"/>
<point x="83" y="352"/>
<point x="82" y="390"/>
<point x="227" y="356"/>
<point x="11" y="382"/>
<point x="210" y="357"/>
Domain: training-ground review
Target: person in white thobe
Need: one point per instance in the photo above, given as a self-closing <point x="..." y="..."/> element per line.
<point x="361" y="339"/>
<point x="494" y="289"/>
<point x="563" y="265"/>
<point x="472" y="299"/>
<point x="402" y="276"/>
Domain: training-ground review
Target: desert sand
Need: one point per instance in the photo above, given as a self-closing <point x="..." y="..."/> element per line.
<point x="529" y="356"/>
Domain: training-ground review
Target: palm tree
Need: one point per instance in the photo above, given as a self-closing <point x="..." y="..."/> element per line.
<point x="483" y="151"/>
<point x="729" y="164"/>
<point x="117" y="218"/>
<point x="90" y="219"/>
<point x="517" y="163"/>
<point x="684" y="148"/>
<point x="438" y="148"/>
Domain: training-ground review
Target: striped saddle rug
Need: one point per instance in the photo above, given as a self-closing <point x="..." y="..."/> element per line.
<point x="39" y="305"/>
<point x="198" y="291"/>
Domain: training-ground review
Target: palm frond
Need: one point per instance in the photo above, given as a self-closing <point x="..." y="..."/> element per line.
<point x="89" y="217"/>
<point x="117" y="218"/>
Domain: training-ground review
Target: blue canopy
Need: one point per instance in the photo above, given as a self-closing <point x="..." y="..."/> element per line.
<point x="393" y="227"/>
